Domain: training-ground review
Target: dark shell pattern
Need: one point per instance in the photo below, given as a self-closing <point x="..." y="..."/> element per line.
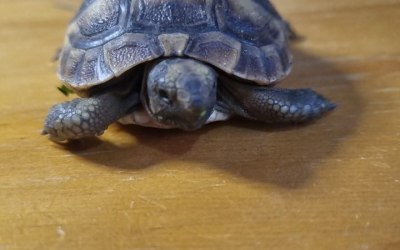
<point x="246" y="38"/>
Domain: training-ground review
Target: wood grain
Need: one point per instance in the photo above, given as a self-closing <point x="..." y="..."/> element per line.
<point x="331" y="184"/>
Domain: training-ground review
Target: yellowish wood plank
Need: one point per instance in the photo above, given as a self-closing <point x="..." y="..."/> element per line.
<point x="331" y="184"/>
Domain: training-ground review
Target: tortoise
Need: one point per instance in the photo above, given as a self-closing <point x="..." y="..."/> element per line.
<point x="176" y="64"/>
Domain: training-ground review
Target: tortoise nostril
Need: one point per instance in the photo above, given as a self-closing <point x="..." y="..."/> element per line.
<point x="163" y="95"/>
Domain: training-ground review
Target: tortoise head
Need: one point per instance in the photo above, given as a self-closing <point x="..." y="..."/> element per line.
<point x="180" y="93"/>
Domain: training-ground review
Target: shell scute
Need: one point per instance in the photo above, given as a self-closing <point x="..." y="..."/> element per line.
<point x="215" y="48"/>
<point x="84" y="69"/>
<point x="70" y="63"/>
<point x="249" y="21"/>
<point x="255" y="66"/>
<point x="172" y="12"/>
<point x="129" y="50"/>
<point x="99" y="16"/>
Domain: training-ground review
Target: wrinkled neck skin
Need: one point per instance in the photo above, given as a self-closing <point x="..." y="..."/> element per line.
<point x="179" y="92"/>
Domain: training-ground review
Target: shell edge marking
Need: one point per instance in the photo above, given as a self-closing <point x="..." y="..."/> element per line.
<point x="173" y="44"/>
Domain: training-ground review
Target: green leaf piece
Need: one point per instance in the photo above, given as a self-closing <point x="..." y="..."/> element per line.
<point x="66" y="91"/>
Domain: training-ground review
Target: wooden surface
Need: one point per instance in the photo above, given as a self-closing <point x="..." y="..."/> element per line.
<point x="331" y="184"/>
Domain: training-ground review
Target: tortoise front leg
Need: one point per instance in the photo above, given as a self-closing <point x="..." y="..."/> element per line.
<point x="86" y="117"/>
<point x="271" y="105"/>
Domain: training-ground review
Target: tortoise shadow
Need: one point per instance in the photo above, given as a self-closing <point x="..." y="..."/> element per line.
<point x="287" y="155"/>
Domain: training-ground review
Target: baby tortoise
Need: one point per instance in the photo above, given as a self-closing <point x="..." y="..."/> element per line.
<point x="176" y="64"/>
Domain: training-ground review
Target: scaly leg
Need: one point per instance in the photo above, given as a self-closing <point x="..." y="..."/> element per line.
<point x="87" y="117"/>
<point x="273" y="104"/>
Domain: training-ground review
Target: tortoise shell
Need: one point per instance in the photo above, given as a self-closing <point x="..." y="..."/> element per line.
<point x="106" y="38"/>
